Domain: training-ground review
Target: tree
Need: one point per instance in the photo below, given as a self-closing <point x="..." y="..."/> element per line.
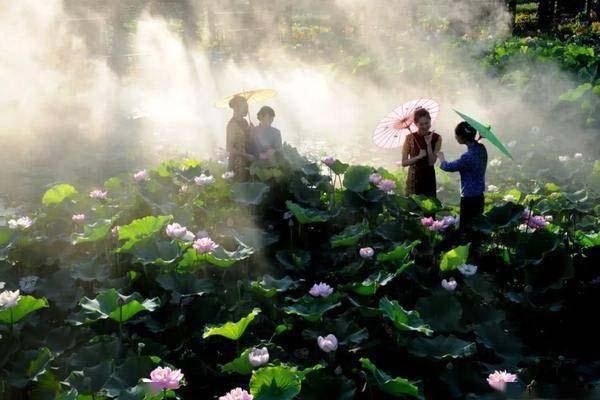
<point x="512" y="9"/>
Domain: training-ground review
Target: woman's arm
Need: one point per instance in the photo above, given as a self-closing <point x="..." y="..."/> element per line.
<point x="432" y="154"/>
<point x="406" y="161"/>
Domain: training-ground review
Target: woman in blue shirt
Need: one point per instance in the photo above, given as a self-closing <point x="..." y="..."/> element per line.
<point x="471" y="166"/>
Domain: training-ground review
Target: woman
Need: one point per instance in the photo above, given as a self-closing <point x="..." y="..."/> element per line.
<point x="419" y="154"/>
<point x="265" y="139"/>
<point x="238" y="136"/>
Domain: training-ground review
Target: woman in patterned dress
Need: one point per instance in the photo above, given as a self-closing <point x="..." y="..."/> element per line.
<point x="238" y="136"/>
<point x="419" y="154"/>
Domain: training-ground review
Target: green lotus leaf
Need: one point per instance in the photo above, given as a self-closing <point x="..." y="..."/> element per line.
<point x="93" y="232"/>
<point x="269" y="286"/>
<point x="356" y="178"/>
<point x="231" y="330"/>
<point x="350" y="235"/>
<point x="56" y="194"/>
<point x="141" y="229"/>
<point x="313" y="308"/>
<point x="398" y="387"/>
<point x="455" y="258"/>
<point x="106" y="305"/>
<point x="25" y="306"/>
<point x="307" y="215"/>
<point x="241" y="365"/>
<point x="402" y="319"/>
<point x="442" y="347"/>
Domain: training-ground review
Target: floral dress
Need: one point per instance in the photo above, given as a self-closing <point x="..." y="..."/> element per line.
<point x="238" y="132"/>
<point x="421" y="175"/>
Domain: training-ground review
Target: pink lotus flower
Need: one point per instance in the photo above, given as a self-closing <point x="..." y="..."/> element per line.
<point x="141" y="176"/>
<point x="427" y="222"/>
<point x="578" y="156"/>
<point x="78" y="218"/>
<point x="450" y="284"/>
<point x="258" y="357"/>
<point x="115" y="231"/>
<point x="329" y="161"/>
<point x="203" y="180"/>
<point x="228" y="175"/>
<point x="176" y="231"/>
<point x="386" y="185"/>
<point x="328" y="343"/>
<point x="321" y="290"/>
<point x="366" y="252"/>
<point x="237" y="394"/>
<point x="437" y="226"/>
<point x="98" y="194"/>
<point x="164" y="379"/>
<point x="375" y="178"/>
<point x="205" y="245"/>
<point x="499" y="379"/>
<point x="534" y="221"/>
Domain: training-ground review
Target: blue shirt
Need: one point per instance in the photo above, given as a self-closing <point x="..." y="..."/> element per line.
<point x="471" y="166"/>
<point x="264" y="139"/>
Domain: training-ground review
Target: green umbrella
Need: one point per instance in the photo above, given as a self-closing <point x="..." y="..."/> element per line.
<point x="486" y="132"/>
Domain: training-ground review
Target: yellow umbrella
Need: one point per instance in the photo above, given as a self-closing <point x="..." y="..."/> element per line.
<point x="255" y="95"/>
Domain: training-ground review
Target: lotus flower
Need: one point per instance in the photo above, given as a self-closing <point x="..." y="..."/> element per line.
<point x="537" y="222"/>
<point x="115" y="231"/>
<point x="78" y="218"/>
<point x="329" y="161"/>
<point x="188" y="237"/>
<point x="375" y="178"/>
<point x="493" y="189"/>
<point x="510" y="198"/>
<point x="321" y="290"/>
<point x="468" y="269"/>
<point x="176" y="231"/>
<point x="205" y="245"/>
<point x="496" y="162"/>
<point x="2" y="284"/>
<point x="141" y="176"/>
<point x="258" y="357"/>
<point x="449" y="220"/>
<point x="28" y="283"/>
<point x="563" y="159"/>
<point x="228" y="175"/>
<point x="203" y="180"/>
<point x="164" y="379"/>
<point x="98" y="194"/>
<point x="437" y="226"/>
<point x="9" y="299"/>
<point x="450" y="284"/>
<point x="20" y="223"/>
<point x="427" y="222"/>
<point x="499" y="379"/>
<point x="328" y="343"/>
<point x="549" y="218"/>
<point x="237" y="394"/>
<point x="366" y="252"/>
<point x="578" y="156"/>
<point x="386" y="185"/>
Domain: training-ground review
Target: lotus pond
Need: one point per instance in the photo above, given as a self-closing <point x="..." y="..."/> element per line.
<point x="312" y="281"/>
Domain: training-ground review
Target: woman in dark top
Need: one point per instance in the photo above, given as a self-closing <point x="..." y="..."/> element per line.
<point x="419" y="154"/>
<point x="238" y="137"/>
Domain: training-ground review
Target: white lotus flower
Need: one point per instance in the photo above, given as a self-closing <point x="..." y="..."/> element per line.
<point x="563" y="159"/>
<point x="468" y="269"/>
<point x="493" y="189"/>
<point x="20" y="223"/>
<point x="9" y="299"/>
<point x="258" y="357"/>
<point x="509" y="198"/>
<point x="496" y="162"/>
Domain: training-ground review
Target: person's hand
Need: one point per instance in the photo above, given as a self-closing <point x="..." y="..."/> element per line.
<point x="428" y="139"/>
<point x="422" y="153"/>
<point x="441" y="157"/>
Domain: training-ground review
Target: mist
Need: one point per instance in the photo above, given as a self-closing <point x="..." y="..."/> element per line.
<point x="93" y="89"/>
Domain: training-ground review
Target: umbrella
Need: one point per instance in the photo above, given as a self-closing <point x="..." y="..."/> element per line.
<point x="486" y="132"/>
<point x="255" y="95"/>
<point x="391" y="131"/>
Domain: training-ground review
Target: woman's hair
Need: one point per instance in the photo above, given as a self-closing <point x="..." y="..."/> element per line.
<point x="420" y="113"/>
<point x="237" y="100"/>
<point x="465" y="131"/>
<point x="264" y="110"/>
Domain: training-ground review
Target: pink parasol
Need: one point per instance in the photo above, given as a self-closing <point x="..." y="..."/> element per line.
<point x="392" y="130"/>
